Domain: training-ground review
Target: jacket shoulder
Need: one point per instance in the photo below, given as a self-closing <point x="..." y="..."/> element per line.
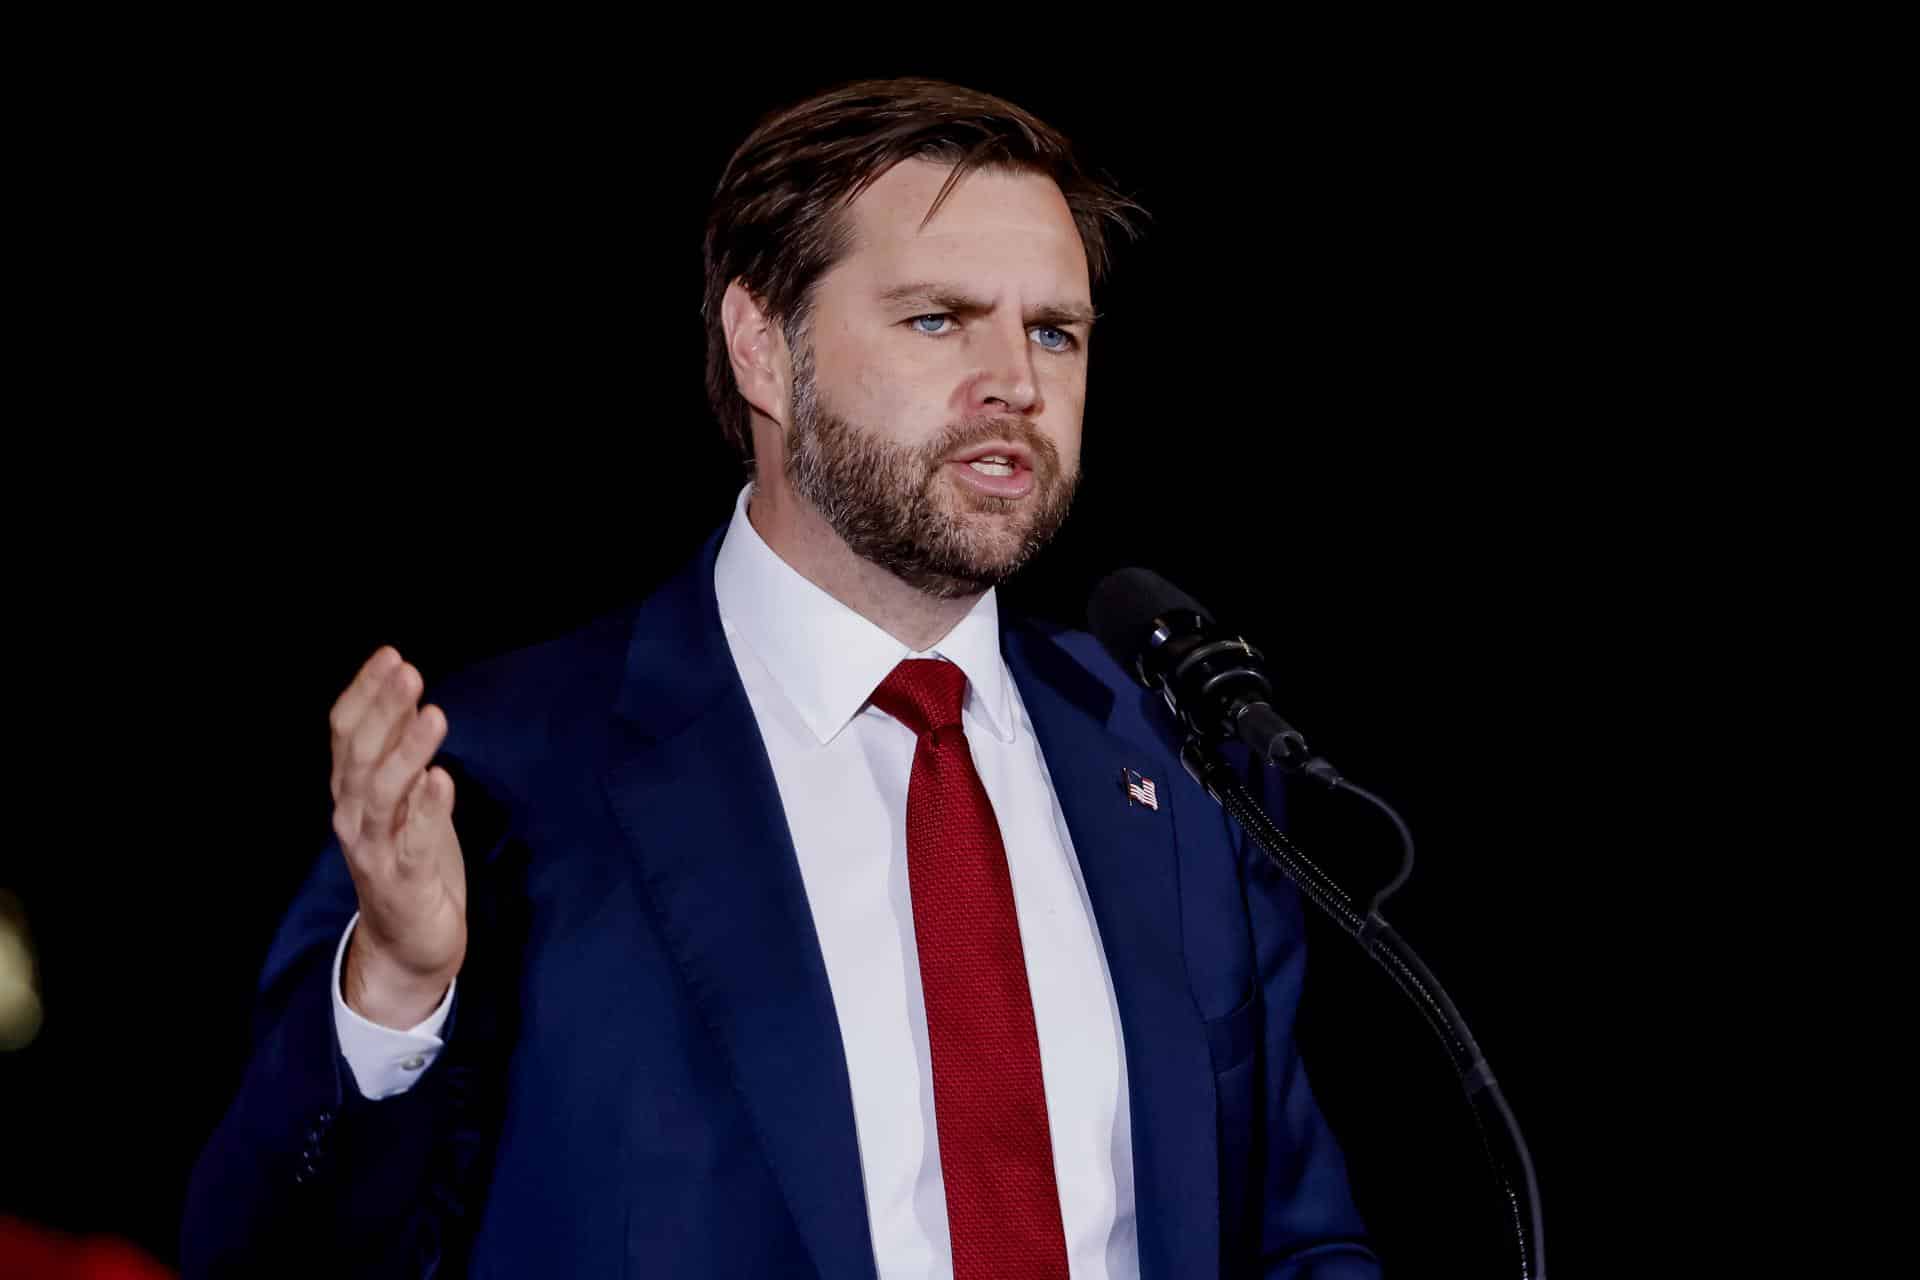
<point x="1077" y="664"/>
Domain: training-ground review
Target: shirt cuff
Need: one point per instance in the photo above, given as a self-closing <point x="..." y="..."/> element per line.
<point x="384" y="1062"/>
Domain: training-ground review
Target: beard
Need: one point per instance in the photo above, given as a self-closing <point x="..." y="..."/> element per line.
<point x="895" y="507"/>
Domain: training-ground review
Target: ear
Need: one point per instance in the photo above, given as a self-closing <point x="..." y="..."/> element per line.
<point x="758" y="350"/>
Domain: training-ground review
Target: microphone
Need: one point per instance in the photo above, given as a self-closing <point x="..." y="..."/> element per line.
<point x="1217" y="687"/>
<point x="1215" y="683"/>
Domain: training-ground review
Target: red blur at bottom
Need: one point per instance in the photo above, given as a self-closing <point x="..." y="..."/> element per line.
<point x="28" y="1252"/>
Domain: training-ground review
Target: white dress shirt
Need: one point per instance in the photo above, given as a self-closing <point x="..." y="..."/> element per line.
<point x="809" y="664"/>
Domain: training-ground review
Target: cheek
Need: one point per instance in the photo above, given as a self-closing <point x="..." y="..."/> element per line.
<point x="1068" y="443"/>
<point x="877" y="387"/>
<point x="1066" y="408"/>
<point x="885" y="394"/>
<point x="1068" y="389"/>
<point x="852" y="374"/>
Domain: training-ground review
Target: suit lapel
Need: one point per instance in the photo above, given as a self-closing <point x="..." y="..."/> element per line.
<point x="1127" y="856"/>
<point x="689" y="780"/>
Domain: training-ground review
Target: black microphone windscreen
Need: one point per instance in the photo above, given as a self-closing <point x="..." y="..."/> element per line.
<point x="1121" y="610"/>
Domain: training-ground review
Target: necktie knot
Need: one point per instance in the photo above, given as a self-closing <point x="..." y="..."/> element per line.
<point x="923" y="693"/>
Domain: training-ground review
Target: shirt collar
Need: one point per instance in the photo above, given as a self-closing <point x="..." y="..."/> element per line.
<point x="826" y="658"/>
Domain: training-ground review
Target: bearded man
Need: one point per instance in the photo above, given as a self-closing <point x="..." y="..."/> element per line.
<point x="810" y="918"/>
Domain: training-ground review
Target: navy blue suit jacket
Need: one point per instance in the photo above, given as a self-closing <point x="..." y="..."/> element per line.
<point x="644" y="1073"/>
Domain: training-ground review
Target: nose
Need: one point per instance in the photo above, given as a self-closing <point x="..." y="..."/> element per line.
<point x="1005" y="379"/>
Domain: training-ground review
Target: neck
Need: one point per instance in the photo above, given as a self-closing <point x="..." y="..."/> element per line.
<point x="801" y="537"/>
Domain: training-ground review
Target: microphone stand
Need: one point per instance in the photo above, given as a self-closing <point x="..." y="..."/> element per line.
<point x="1500" y="1135"/>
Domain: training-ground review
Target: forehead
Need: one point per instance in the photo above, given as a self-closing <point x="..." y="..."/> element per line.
<point x="998" y="229"/>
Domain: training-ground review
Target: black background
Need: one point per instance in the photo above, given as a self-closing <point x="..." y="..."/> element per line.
<point x="407" y="350"/>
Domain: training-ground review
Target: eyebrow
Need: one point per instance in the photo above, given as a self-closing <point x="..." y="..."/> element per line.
<point x="946" y="297"/>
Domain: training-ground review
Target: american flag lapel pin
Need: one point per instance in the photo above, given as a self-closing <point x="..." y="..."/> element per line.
<point x="1139" y="790"/>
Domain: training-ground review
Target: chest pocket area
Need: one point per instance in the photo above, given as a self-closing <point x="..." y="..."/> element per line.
<point x="1232" y="1038"/>
<point x="1233" y="1041"/>
<point x="1218" y="941"/>
<point x="1220" y="964"/>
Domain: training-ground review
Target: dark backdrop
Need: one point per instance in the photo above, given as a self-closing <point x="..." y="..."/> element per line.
<point x="412" y="355"/>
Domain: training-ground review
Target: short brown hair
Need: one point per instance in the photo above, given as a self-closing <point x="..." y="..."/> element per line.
<point x="775" y="225"/>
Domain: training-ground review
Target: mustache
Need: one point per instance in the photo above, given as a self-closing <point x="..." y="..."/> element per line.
<point x="964" y="435"/>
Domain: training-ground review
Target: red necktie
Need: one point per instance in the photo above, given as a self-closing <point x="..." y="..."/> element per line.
<point x="1003" y="1207"/>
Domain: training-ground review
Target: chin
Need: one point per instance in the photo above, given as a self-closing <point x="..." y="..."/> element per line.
<point x="990" y="559"/>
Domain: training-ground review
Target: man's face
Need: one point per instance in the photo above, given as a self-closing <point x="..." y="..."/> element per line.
<point x="938" y="390"/>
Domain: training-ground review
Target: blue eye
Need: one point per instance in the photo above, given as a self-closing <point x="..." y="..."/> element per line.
<point x="919" y="327"/>
<point x="1060" y="339"/>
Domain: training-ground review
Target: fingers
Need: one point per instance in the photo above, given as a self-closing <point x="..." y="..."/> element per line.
<point x="399" y="772"/>
<point x="353" y="702"/>
<point x="382" y="716"/>
<point x="439" y="793"/>
<point x="381" y="749"/>
<point x="426" y="815"/>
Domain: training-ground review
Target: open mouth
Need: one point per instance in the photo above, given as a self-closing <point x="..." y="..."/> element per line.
<point x="993" y="466"/>
<point x="999" y="470"/>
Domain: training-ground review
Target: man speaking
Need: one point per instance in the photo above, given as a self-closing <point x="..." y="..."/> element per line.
<point x="810" y="918"/>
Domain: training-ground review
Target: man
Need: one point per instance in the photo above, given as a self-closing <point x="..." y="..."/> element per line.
<point x="800" y="921"/>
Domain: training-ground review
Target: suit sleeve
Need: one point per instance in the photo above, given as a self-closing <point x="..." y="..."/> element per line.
<point x="304" y="1175"/>
<point x="1308" y="1227"/>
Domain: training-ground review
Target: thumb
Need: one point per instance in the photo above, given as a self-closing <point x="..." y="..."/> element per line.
<point x="436" y="797"/>
<point x="429" y="815"/>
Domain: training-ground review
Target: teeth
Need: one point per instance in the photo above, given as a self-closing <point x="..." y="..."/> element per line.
<point x="991" y="467"/>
